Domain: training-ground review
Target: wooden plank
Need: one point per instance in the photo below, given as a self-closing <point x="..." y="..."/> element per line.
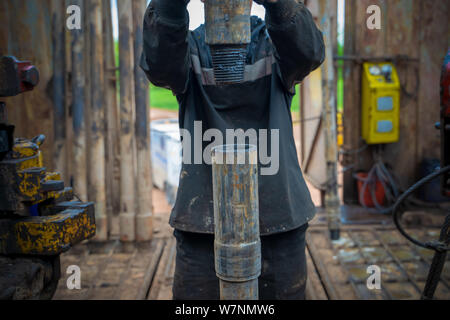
<point x="141" y="271"/>
<point x="402" y="39"/>
<point x="321" y="268"/>
<point x="314" y="286"/>
<point x="163" y="275"/>
<point x="93" y="260"/>
<point x="433" y="48"/>
<point x="165" y="292"/>
<point x="151" y="269"/>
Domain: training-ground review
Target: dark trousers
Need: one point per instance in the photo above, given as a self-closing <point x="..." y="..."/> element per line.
<point x="283" y="274"/>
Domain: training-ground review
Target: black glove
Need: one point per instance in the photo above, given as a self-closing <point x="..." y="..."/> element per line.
<point x="278" y="11"/>
<point x="264" y="2"/>
<point x="173" y="9"/>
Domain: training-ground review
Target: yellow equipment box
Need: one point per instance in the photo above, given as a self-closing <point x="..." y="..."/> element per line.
<point x="380" y="103"/>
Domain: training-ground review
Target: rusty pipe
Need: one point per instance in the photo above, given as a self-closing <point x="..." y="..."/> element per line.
<point x="144" y="215"/>
<point x="228" y="32"/>
<point x="332" y="201"/>
<point x="59" y="87"/>
<point x="127" y="123"/>
<point x="97" y="120"/>
<point x="237" y="244"/>
<point x="79" y="147"/>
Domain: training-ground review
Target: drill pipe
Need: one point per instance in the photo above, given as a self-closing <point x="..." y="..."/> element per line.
<point x="237" y="242"/>
<point x="228" y="32"/>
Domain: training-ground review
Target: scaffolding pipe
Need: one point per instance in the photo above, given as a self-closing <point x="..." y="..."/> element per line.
<point x="111" y="118"/>
<point x="127" y="123"/>
<point x="144" y="219"/>
<point x="332" y="202"/>
<point x="78" y="111"/>
<point x="237" y="242"/>
<point x="59" y="86"/>
<point x="97" y="121"/>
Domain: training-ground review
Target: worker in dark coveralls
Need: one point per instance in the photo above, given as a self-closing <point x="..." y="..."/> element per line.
<point x="283" y="51"/>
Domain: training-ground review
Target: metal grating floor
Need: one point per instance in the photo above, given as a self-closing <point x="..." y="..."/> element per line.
<point x="342" y="265"/>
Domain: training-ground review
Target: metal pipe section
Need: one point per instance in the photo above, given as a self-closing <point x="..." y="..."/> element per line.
<point x="97" y="121"/>
<point x="111" y="119"/>
<point x="237" y="242"/>
<point x="59" y="86"/>
<point x="127" y="123"/>
<point x="144" y="216"/>
<point x="78" y="111"/>
<point x="228" y="32"/>
<point x="332" y="202"/>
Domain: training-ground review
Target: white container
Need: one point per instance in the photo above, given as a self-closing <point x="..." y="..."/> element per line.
<point x="174" y="162"/>
<point x="159" y="134"/>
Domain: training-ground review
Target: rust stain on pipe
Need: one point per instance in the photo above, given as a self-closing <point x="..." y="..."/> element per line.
<point x="97" y="120"/>
<point x="127" y="122"/>
<point x="144" y="216"/>
<point x="236" y="216"/>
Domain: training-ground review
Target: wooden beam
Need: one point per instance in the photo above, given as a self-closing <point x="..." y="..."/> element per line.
<point x="433" y="48"/>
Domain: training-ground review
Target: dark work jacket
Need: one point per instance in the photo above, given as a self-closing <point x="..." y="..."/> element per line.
<point x="278" y="57"/>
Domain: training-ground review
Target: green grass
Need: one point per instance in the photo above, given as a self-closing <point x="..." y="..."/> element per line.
<point x="162" y="99"/>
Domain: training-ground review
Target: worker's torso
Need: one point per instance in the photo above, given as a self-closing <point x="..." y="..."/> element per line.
<point x="260" y="103"/>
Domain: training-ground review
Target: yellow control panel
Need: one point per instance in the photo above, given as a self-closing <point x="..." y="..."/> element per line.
<point x="380" y="103"/>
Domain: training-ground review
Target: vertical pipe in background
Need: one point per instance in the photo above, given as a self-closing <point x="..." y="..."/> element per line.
<point x="332" y="202"/>
<point x="237" y="242"/>
<point x="78" y="110"/>
<point x="144" y="219"/>
<point x="87" y="82"/>
<point x="111" y="115"/>
<point x="127" y="123"/>
<point x="97" y="120"/>
<point x="59" y="86"/>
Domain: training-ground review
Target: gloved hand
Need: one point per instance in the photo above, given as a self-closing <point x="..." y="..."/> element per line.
<point x="279" y="11"/>
<point x="264" y="2"/>
<point x="175" y="9"/>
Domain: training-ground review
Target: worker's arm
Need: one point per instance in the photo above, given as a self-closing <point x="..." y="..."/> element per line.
<point x="165" y="57"/>
<point x="298" y="42"/>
